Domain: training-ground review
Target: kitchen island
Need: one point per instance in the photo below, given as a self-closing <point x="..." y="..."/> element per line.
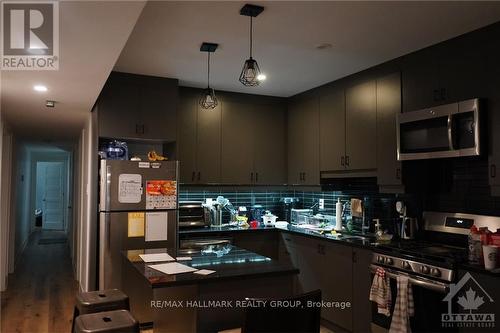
<point x="190" y="302"/>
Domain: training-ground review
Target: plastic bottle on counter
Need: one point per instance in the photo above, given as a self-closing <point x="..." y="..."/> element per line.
<point x="485" y="235"/>
<point x="495" y="238"/>
<point x="338" y="215"/>
<point x="475" y="246"/>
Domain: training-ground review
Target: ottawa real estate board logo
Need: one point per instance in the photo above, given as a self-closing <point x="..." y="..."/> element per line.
<point x="469" y="305"/>
<point x="30" y="35"/>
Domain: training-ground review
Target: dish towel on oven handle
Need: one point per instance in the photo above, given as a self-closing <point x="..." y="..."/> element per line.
<point x="404" y="307"/>
<point x="380" y="292"/>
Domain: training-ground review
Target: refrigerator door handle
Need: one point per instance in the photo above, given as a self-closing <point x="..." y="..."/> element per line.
<point x="104" y="247"/>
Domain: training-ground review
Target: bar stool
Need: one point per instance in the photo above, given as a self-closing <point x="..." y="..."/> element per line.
<point x="99" y="301"/>
<point x="107" y="322"/>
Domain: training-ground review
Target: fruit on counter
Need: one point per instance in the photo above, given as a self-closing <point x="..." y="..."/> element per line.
<point x="153" y="156"/>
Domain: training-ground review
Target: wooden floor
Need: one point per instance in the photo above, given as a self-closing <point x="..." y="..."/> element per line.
<point x="41" y="292"/>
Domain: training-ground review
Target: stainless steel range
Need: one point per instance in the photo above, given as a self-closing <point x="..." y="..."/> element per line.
<point x="430" y="264"/>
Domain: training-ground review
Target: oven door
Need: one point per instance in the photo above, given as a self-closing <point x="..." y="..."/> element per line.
<point x="428" y="302"/>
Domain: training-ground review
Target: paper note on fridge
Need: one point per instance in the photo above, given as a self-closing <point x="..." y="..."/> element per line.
<point x="156" y="226"/>
<point x="156" y="257"/>
<point x="129" y="188"/>
<point x="173" y="268"/>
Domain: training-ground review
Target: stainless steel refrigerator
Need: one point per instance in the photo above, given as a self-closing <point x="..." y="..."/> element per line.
<point x="137" y="210"/>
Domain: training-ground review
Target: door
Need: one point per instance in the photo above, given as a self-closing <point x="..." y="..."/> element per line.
<point x="310" y="138"/>
<point x="361" y="127"/>
<point x="53" y="194"/>
<point x="188" y="112"/>
<point x="388" y="107"/>
<point x="119" y="104"/>
<point x="332" y="130"/>
<point x="269" y="141"/>
<point x="208" y="145"/>
<point x="238" y="143"/>
<point x="295" y="142"/>
<point x="158" y="112"/>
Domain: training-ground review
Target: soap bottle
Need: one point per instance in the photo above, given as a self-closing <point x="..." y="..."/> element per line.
<point x="475" y="248"/>
<point x="338" y="215"/>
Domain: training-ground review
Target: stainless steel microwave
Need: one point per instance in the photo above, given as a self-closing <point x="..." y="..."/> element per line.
<point x="450" y="130"/>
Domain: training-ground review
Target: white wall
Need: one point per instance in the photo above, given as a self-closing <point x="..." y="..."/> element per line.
<point x="5" y="189"/>
<point x="87" y="269"/>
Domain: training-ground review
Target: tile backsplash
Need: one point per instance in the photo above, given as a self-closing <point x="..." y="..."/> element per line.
<point x="377" y="205"/>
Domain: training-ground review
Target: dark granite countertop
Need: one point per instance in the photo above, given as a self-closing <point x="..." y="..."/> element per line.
<point x="350" y="240"/>
<point x="237" y="264"/>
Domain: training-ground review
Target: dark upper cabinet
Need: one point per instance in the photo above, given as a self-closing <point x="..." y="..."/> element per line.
<point x="445" y="73"/>
<point x="420" y="80"/>
<point x="332" y="130"/>
<point x="361" y="126"/>
<point x="138" y="107"/>
<point x="303" y="142"/>
<point x="199" y="140"/>
<point x="388" y="107"/>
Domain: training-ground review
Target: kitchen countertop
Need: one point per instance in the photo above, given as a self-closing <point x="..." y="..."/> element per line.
<point x="238" y="263"/>
<point x="368" y="242"/>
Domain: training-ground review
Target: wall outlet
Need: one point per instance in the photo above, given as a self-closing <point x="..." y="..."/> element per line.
<point x="321" y="203"/>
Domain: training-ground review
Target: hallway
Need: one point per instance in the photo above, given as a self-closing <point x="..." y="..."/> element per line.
<point x="40" y="294"/>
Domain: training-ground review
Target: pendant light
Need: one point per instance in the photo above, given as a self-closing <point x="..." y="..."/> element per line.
<point x="250" y="74"/>
<point x="208" y="100"/>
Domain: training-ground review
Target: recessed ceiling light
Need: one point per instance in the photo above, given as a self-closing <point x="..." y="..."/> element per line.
<point x="323" y="46"/>
<point x="50" y="104"/>
<point x="40" y="88"/>
<point x="261" y="77"/>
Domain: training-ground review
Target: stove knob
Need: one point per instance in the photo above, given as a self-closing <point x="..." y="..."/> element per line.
<point x="380" y="259"/>
<point x="435" y="272"/>
<point x="406" y="265"/>
<point x="424" y="269"/>
<point x="389" y="261"/>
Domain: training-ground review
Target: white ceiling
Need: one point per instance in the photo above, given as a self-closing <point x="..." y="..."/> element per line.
<point x="92" y="35"/>
<point x="166" y="39"/>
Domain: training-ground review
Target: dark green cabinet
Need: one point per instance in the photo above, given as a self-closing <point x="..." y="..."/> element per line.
<point x="253" y="142"/>
<point x="138" y="107"/>
<point x="348" y="129"/>
<point x="303" y="142"/>
<point x="389" y="173"/>
<point x="361" y="126"/>
<point x="332" y="130"/>
<point x="199" y="141"/>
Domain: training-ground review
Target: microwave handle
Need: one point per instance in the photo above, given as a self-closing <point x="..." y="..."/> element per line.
<point x="450" y="132"/>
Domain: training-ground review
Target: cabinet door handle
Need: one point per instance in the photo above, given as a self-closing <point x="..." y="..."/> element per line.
<point x="304" y="176"/>
<point x="436" y="95"/>
<point x="493" y="170"/>
<point x="199" y="175"/>
<point x="256" y="177"/>
<point x="251" y="177"/>
<point x="347" y="161"/>
<point x="342" y="161"/>
<point x="443" y="94"/>
<point x="354" y="257"/>
<point x="137" y="129"/>
<point x="192" y="176"/>
<point x="398" y="173"/>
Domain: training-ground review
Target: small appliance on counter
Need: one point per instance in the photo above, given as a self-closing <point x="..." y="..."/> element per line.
<point x="256" y="213"/>
<point x="269" y="219"/>
<point x="286" y="205"/>
<point x="300" y="216"/>
<point x="192" y="214"/>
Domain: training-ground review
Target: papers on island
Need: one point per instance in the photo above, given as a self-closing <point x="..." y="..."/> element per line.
<point x="156" y="257"/>
<point x="204" y="272"/>
<point x="173" y="268"/>
<point x="184" y="258"/>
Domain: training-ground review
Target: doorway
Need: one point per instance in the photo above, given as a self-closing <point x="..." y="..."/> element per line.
<point x="50" y="195"/>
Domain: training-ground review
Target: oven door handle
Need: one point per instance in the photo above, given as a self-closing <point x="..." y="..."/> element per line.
<point x="450" y="132"/>
<point x="415" y="280"/>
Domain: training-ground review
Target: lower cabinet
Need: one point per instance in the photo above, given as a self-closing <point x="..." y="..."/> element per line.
<point x="340" y="271"/>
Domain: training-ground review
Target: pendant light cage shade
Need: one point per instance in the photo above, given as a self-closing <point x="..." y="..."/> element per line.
<point x="208" y="99"/>
<point x="250" y="73"/>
